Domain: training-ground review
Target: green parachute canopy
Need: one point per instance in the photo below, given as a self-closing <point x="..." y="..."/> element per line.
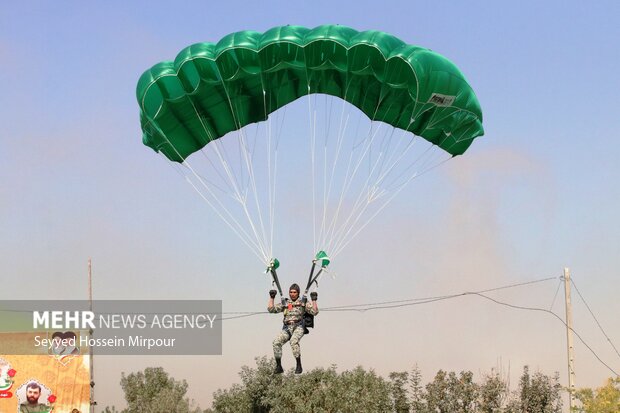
<point x="212" y="89"/>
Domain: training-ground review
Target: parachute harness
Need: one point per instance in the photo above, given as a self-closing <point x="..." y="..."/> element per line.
<point x="323" y="261"/>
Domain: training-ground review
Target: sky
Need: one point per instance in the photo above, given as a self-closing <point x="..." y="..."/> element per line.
<point x="536" y="194"/>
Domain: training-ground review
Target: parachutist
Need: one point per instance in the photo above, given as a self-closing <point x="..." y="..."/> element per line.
<point x="294" y="327"/>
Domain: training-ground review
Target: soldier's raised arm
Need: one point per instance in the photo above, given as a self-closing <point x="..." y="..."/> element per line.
<point x="313" y="307"/>
<point x="272" y="295"/>
<point x="271" y="307"/>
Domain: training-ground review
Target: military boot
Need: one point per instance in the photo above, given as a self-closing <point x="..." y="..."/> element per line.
<point x="279" y="368"/>
<point x="298" y="370"/>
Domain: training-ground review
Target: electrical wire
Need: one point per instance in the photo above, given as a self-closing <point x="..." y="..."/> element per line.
<point x="427" y="300"/>
<point x="518" y="307"/>
<point x="594" y="317"/>
<point x="555" y="295"/>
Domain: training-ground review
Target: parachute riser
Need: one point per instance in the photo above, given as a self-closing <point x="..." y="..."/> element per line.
<point x="321" y="257"/>
<point x="310" y="280"/>
<point x="313" y="280"/>
<point x="274" y="276"/>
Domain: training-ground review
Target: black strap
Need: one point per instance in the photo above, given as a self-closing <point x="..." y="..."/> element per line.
<point x="310" y="277"/>
<point x="275" y="279"/>
<point x="314" y="280"/>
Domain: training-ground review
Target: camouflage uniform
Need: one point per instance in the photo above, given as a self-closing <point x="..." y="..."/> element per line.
<point x="293" y="328"/>
<point x="33" y="408"/>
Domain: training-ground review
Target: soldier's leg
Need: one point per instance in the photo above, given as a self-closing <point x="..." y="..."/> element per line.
<point x="280" y="339"/>
<point x="297" y="335"/>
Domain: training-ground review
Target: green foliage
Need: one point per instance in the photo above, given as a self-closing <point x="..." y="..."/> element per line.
<point x="399" y="392"/>
<point x="449" y="393"/>
<point x="319" y="390"/>
<point x="493" y="392"/>
<point x="604" y="399"/>
<point x="324" y="390"/>
<point x="537" y="393"/>
<point x="154" y="391"/>
<point x="417" y="396"/>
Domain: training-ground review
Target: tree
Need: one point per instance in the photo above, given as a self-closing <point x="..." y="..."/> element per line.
<point x="416" y="391"/>
<point x="318" y="390"/>
<point x="154" y="391"/>
<point x="492" y="393"/>
<point x="537" y="394"/>
<point x="604" y="399"/>
<point x="449" y="393"/>
<point x="399" y="392"/>
<point x="323" y="390"/>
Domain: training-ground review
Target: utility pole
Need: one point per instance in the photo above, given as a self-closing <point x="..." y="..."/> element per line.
<point x="569" y="340"/>
<point x="92" y="401"/>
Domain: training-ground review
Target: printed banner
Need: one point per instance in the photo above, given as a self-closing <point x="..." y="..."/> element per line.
<point x="45" y="383"/>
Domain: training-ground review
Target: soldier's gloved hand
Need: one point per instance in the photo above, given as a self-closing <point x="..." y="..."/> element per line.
<point x="272" y="293"/>
<point x="284" y="300"/>
<point x="314" y="295"/>
<point x="304" y="299"/>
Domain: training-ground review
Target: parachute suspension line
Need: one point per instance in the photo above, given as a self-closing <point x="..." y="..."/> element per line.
<point x="233" y="182"/>
<point x="396" y="192"/>
<point x="328" y="118"/>
<point x="257" y="250"/>
<point x="262" y="239"/>
<point x="312" y="131"/>
<point x="312" y="123"/>
<point x="367" y="144"/>
<point x="252" y="181"/>
<point x="275" y="173"/>
<point x="340" y="139"/>
<point x="342" y="192"/>
<point x="239" y="197"/>
<point x="366" y="196"/>
<point x="371" y="191"/>
<point x="350" y="234"/>
<point x="250" y="168"/>
<point x="416" y="174"/>
<point x="348" y="179"/>
<point x="239" y="231"/>
<point x="341" y="132"/>
<point x="271" y="175"/>
<point x="269" y="184"/>
<point x="400" y="155"/>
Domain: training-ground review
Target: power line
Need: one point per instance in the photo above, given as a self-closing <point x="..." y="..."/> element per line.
<point x="427" y="300"/>
<point x="556" y="316"/>
<point x="594" y="317"/>
<point x="381" y="305"/>
<point x="555" y="295"/>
